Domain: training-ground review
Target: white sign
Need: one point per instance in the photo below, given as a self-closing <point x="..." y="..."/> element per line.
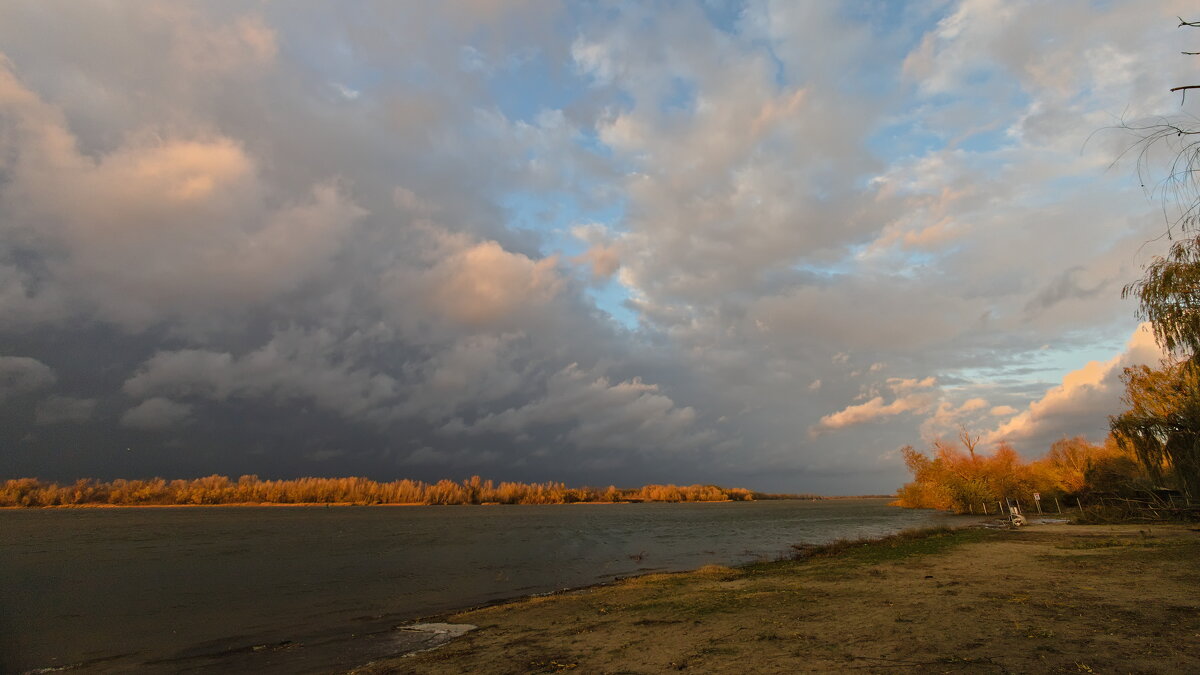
<point x="1037" y="497"/>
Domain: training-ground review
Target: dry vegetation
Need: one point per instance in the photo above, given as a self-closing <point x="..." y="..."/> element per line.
<point x="964" y="481"/>
<point x="30" y="492"/>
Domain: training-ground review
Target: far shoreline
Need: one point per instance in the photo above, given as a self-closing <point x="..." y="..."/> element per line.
<point x="410" y="504"/>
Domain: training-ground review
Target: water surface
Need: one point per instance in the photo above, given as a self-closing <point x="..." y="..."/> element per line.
<point x="180" y="589"/>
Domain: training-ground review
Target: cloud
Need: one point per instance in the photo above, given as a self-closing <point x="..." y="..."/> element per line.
<point x="64" y="410"/>
<point x="155" y="229"/>
<point x="472" y="372"/>
<point x="603" y="256"/>
<point x="948" y="418"/>
<point x="1083" y="401"/>
<point x="902" y="386"/>
<point x="599" y="414"/>
<point x="923" y="398"/>
<point x="294" y="365"/>
<point x="245" y="43"/>
<point x="157" y="414"/>
<point x="323" y="455"/>
<point x="485" y="283"/>
<point x="1068" y="285"/>
<point x="872" y="410"/>
<point x="23" y="375"/>
<point x="427" y="456"/>
<point x="392" y="231"/>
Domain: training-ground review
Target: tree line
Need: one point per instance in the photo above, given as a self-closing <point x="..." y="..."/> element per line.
<point x="215" y="489"/>
<point x="961" y="480"/>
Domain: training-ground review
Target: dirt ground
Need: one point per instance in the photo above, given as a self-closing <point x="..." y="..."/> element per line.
<point x="1043" y="599"/>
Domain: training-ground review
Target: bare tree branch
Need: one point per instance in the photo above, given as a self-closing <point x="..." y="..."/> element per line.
<point x="967" y="439"/>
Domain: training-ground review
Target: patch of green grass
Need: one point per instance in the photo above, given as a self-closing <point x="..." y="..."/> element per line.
<point x="900" y="545"/>
<point x="1128" y="545"/>
<point x="1185" y="552"/>
<point x="1144" y="539"/>
<point x="865" y="552"/>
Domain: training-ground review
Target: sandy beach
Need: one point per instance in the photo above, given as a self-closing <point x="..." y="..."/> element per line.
<point x="1046" y="598"/>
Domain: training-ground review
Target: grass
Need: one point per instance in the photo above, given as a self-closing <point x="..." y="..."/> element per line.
<point x="1101" y="543"/>
<point x="896" y="546"/>
<point x="844" y="553"/>
<point x="1146" y="539"/>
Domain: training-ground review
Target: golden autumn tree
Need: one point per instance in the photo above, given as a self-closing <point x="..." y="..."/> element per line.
<point x="970" y="482"/>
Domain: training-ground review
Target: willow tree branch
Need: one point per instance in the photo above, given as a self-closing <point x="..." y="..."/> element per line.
<point x="1185" y="91"/>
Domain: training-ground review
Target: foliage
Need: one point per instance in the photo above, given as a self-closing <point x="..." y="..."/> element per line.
<point x="1162" y="425"/>
<point x="966" y="482"/>
<point x="1119" y="475"/>
<point x="1081" y="467"/>
<point x="1169" y="297"/>
<point x="31" y="492"/>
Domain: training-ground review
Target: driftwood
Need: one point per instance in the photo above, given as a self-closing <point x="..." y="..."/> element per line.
<point x="1151" y="508"/>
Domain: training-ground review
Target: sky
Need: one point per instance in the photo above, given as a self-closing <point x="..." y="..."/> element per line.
<point x="760" y="244"/>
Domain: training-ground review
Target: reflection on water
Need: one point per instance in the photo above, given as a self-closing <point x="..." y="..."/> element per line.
<point x="175" y="587"/>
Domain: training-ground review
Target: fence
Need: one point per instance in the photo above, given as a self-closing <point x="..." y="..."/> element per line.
<point x="1103" y="507"/>
<point x="1013" y="505"/>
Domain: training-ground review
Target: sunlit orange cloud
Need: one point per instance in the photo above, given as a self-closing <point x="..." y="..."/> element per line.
<point x="872" y="410"/>
<point x="485" y="282"/>
<point x="603" y="261"/>
<point x="182" y="170"/>
<point x="1093" y="391"/>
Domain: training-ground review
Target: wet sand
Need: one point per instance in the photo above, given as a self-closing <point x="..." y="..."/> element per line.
<point x="1047" y="598"/>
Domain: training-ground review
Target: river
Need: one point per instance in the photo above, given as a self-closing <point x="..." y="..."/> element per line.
<point x="311" y="589"/>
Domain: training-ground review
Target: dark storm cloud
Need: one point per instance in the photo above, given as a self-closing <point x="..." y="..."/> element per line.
<point x="303" y="238"/>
